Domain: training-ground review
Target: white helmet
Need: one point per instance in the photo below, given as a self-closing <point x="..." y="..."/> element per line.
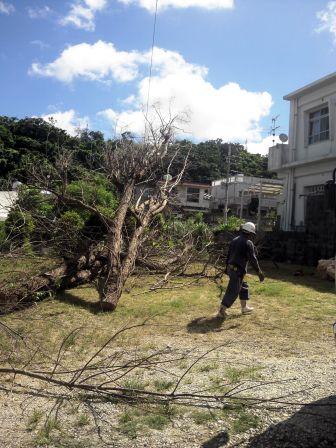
<point x="248" y="227"/>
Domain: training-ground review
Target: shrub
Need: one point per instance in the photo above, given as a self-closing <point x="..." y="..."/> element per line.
<point x="233" y="224"/>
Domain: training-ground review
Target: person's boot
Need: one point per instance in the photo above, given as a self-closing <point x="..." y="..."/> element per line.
<point x="222" y="312"/>
<point x="245" y="309"/>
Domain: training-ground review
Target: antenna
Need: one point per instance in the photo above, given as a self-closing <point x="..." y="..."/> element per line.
<point x="274" y="127"/>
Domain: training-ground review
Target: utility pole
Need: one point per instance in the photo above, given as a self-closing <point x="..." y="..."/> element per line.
<point x="228" y="169"/>
<point x="241" y="204"/>
<point x="259" y="205"/>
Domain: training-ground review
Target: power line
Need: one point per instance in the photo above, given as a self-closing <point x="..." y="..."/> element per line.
<point x="152" y="56"/>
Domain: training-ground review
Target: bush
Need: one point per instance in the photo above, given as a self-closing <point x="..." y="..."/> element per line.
<point x="2" y="235"/>
<point x="233" y="224"/>
<point x="71" y="221"/>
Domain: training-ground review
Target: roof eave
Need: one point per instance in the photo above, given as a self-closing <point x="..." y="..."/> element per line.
<point x="311" y="87"/>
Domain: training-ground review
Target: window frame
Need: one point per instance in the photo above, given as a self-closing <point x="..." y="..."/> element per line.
<point x="323" y="134"/>
<point x="192" y="194"/>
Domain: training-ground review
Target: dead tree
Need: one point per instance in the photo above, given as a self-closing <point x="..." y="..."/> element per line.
<point x="131" y="167"/>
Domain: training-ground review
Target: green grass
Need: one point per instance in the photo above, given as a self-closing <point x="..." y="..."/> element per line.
<point x="203" y="417"/>
<point x="235" y="375"/>
<point x="291" y="315"/>
<point x="156" y="421"/>
<point x="245" y="421"/>
<point x="163" y="385"/>
<point x="128" y="424"/>
<point x="134" y="384"/>
<point x="34" y="420"/>
<point x="208" y="367"/>
<point x="83" y="420"/>
<point x="283" y="308"/>
<point x="135" y="421"/>
<point x="45" y="436"/>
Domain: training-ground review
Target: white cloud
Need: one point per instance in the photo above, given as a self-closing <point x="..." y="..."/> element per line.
<point x="68" y="120"/>
<point x="228" y="112"/>
<point x="180" y="88"/>
<point x="164" y="4"/>
<point x="130" y="100"/>
<point x="98" y="62"/>
<point x="177" y="87"/>
<point x="39" y="43"/>
<point x="261" y="146"/>
<point x="327" y="19"/>
<point x="6" y="8"/>
<point x="39" y="13"/>
<point x="82" y="14"/>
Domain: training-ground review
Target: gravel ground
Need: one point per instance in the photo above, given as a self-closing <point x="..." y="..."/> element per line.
<point x="306" y="376"/>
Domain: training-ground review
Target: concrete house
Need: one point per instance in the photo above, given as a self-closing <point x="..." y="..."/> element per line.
<point x="186" y="196"/>
<point x="307" y="162"/>
<point x="194" y="196"/>
<point x="242" y="192"/>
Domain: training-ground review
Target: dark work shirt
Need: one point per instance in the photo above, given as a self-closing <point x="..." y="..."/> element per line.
<point x="242" y="251"/>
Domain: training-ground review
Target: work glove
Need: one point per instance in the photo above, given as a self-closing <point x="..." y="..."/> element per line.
<point x="261" y="276"/>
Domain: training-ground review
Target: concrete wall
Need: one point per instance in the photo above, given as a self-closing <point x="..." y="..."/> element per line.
<point x="7" y="199"/>
<point x="302" y="164"/>
<point x="307" y="176"/>
<point x="300" y="108"/>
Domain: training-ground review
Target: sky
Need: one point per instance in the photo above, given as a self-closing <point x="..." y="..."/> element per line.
<point x="221" y="66"/>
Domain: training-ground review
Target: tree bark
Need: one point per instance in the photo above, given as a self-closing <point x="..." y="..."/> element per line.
<point x="120" y="269"/>
<point x="109" y="285"/>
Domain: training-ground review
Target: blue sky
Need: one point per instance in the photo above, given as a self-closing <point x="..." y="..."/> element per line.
<point x="223" y="64"/>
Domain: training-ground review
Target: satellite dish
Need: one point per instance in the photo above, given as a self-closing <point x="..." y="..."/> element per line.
<point x="283" y="138"/>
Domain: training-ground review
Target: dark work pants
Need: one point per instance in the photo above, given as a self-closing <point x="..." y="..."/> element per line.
<point x="236" y="287"/>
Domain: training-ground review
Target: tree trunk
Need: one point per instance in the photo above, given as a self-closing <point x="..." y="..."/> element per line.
<point x="68" y="275"/>
<point x="113" y="286"/>
<point x="110" y="285"/>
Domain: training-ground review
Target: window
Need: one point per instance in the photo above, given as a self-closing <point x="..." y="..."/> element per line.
<point x="193" y="194"/>
<point x="318" y="125"/>
<point x="314" y="190"/>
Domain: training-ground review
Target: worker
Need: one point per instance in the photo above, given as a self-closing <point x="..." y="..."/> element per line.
<point x="241" y="251"/>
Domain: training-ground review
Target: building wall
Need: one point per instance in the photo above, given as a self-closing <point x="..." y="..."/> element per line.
<point x="301" y="164"/>
<point x="308" y="176"/>
<point x="299" y="120"/>
<point x="7" y="199"/>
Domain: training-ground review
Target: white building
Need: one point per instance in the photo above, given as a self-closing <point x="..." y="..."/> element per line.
<point x="186" y="196"/>
<point x="242" y="191"/>
<point x="308" y="161"/>
<point x="7" y="199"/>
<point x="194" y="196"/>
